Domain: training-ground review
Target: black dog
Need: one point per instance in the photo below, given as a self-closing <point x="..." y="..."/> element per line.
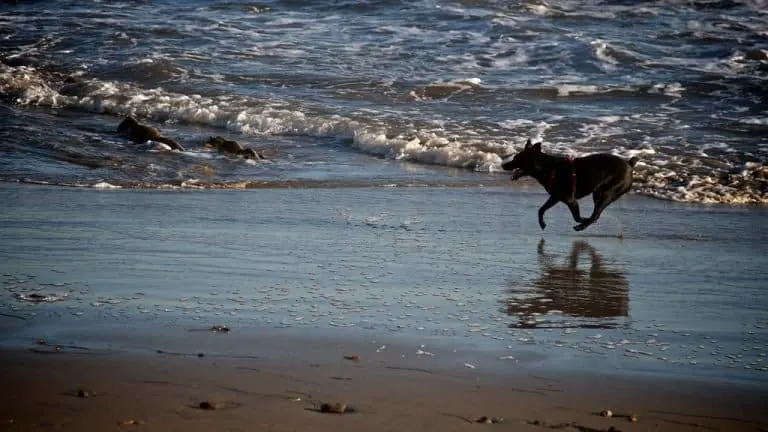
<point x="605" y="176"/>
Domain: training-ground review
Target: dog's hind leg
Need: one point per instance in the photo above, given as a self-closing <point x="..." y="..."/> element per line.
<point x="602" y="199"/>
<point x="547" y="205"/>
<point x="573" y="206"/>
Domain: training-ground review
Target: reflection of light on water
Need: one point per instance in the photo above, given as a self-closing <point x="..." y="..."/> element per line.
<point x="597" y="296"/>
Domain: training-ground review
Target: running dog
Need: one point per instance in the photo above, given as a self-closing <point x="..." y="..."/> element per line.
<point x="607" y="177"/>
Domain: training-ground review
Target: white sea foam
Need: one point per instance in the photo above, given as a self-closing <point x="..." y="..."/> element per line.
<point x="444" y="89"/>
<point x="754" y="120"/>
<point x="542" y="9"/>
<point x="574" y="89"/>
<point x="154" y="146"/>
<point x="438" y="143"/>
<point x="105" y="185"/>
<point x="671" y="89"/>
<point x="249" y="118"/>
<point x="609" y="119"/>
<point x="601" y="49"/>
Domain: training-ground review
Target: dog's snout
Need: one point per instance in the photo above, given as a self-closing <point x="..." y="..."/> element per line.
<point x="507" y="162"/>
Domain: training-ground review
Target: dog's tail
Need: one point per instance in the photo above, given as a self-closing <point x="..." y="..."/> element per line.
<point x="633" y="160"/>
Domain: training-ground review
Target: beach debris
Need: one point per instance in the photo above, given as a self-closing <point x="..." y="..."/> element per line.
<point x="381" y="348"/>
<point x="606" y="413"/>
<point x="208" y="405"/>
<point x="571" y="426"/>
<point x="131" y="129"/>
<point x="41" y="298"/>
<point x="219" y="329"/>
<point x="469" y="365"/>
<point x="47" y="349"/>
<point x="352" y="357"/>
<point x="85" y="394"/>
<point x="224" y="145"/>
<point x="633" y="418"/>
<point x="335" y="408"/>
<point x="131" y="422"/>
<point x="421" y="352"/>
<point x="489" y="420"/>
<point x="205" y="405"/>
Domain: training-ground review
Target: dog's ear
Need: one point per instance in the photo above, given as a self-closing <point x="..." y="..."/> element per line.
<point x="528" y="144"/>
<point x="537" y="148"/>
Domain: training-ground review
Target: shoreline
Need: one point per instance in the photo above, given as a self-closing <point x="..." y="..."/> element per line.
<point x="447" y="178"/>
<point x="453" y="355"/>
<point x="667" y="322"/>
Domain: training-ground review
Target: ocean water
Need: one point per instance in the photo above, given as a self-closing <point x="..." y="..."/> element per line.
<point x="389" y="92"/>
<point x="449" y="276"/>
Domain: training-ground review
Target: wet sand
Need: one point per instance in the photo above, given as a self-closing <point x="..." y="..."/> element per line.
<point x="164" y="392"/>
<point x="458" y="306"/>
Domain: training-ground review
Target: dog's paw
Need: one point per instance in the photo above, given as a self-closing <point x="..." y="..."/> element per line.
<point x="580" y="227"/>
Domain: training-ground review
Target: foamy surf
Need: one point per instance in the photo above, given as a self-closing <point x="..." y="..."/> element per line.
<point x="460" y="93"/>
<point x="442" y="146"/>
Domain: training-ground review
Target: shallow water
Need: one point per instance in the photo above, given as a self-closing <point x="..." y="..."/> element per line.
<point x="344" y="90"/>
<point x="462" y="271"/>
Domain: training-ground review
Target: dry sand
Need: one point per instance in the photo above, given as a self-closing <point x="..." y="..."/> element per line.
<point x="163" y="392"/>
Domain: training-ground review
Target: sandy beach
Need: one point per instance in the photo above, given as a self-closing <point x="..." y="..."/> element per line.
<point x="353" y="238"/>
<point x="658" y="311"/>
<point x="164" y="392"/>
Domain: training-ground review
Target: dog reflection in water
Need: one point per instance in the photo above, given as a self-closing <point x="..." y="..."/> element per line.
<point x="598" y="293"/>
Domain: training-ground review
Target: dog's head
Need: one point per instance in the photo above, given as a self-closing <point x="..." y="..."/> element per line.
<point x="524" y="163"/>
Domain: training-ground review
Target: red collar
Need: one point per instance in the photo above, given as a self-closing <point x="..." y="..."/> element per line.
<point x="573" y="176"/>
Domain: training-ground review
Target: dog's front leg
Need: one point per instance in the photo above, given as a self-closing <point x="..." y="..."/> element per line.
<point x="547" y="205"/>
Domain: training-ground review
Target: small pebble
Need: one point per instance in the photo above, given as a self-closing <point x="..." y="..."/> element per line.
<point x="633" y="418"/>
<point x="336" y="408"/>
<point x="489" y="420"/>
<point x="606" y="413"/>
<point x="205" y="405"/>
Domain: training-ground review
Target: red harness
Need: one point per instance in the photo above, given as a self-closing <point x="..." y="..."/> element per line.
<point x="573" y="177"/>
